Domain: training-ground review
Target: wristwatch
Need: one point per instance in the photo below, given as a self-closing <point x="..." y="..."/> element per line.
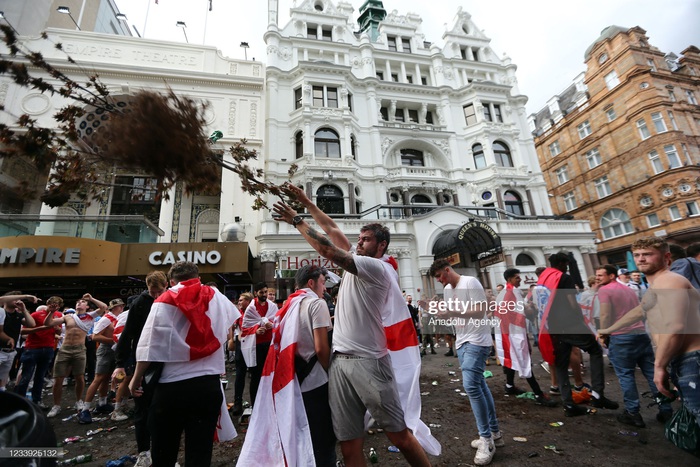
<point x="296" y="220"/>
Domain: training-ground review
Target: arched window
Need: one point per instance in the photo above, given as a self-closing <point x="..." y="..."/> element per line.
<point x="479" y="158"/>
<point x="420" y="199"/>
<point x="353" y="146"/>
<point x="502" y="154"/>
<point x="523" y="259"/>
<point x="514" y="204"/>
<point x="329" y="198"/>
<point x="299" y="144"/>
<point x="327" y="143"/>
<point x="615" y="223"/>
<point x="412" y="157"/>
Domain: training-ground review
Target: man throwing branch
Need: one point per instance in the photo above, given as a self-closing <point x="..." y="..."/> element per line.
<point x="368" y="293"/>
<point x="671" y="306"/>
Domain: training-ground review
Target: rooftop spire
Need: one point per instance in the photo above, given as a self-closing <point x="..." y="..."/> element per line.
<point x="371" y="13"/>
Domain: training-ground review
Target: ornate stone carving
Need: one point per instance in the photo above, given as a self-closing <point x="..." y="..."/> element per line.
<point x="268" y="256"/>
<point x="256" y="70"/>
<point x="3" y="92"/>
<point x="444" y="145"/>
<point x="232" y="117"/>
<point x="386" y="142"/>
<point x="233" y="69"/>
<point x="253" y="119"/>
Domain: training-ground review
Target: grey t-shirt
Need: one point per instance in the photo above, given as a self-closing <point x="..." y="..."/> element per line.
<point x="358" y="317"/>
<point x="313" y="314"/>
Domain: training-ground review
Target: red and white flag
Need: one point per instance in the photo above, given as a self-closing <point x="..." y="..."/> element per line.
<point x="256" y="315"/>
<point x="119" y="326"/>
<point x="279" y="433"/>
<point x="549" y="280"/>
<point x="403" y="346"/>
<point x="511" y="336"/>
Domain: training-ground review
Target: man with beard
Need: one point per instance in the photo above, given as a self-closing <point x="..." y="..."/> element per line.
<point x="671" y="307"/>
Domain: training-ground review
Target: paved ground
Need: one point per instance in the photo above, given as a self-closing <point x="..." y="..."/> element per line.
<point x="591" y="440"/>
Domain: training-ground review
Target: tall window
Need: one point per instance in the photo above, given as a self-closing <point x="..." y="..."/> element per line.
<point x="653" y="220"/>
<point x="602" y="187"/>
<point x="324" y="96"/>
<point x="487" y="113"/>
<point x="312" y="32"/>
<point x="554" y="149"/>
<point x="492" y="113"/>
<point x="406" y="45"/>
<point x="692" y="207"/>
<point x="611" y="79"/>
<point x="391" y="43"/>
<point x="470" y="114"/>
<point x="643" y="130"/>
<point x="652" y="66"/>
<point x="299" y="144"/>
<point x="326" y="35"/>
<point x="659" y="123"/>
<point x="615" y="223"/>
<point x="514" y="204"/>
<point x="329" y="198"/>
<point x="672" y="119"/>
<point x="610" y="113"/>
<point x="674" y="212"/>
<point x="569" y="201"/>
<point x="671" y="95"/>
<point x="584" y="129"/>
<point x="479" y="158"/>
<point x="673" y="160"/>
<point x="420" y="199"/>
<point x="412" y="157"/>
<point x="593" y="158"/>
<point x="326" y="143"/>
<point x="297" y="98"/>
<point x="413" y="115"/>
<point x="502" y="154"/>
<point x="691" y="97"/>
<point x="656" y="162"/>
<point x="562" y="174"/>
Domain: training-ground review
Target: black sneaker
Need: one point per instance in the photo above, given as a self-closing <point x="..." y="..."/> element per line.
<point x="573" y="410"/>
<point x="84" y="417"/>
<point x="237" y="409"/>
<point x="432" y="351"/>
<point x="104" y="409"/>
<point x="634" y="419"/>
<point x="449" y="353"/>
<point x="544" y="401"/>
<point x="513" y="391"/>
<point x="604" y="403"/>
<point x="554" y="390"/>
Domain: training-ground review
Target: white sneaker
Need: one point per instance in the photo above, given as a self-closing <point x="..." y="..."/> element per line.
<point x="119" y="416"/>
<point x="497" y="438"/>
<point x="80" y="405"/>
<point x="54" y="411"/>
<point x="545" y="367"/>
<point x="144" y="459"/>
<point x="485" y="452"/>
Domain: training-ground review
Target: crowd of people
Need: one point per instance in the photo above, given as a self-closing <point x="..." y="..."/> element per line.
<point x="319" y="378"/>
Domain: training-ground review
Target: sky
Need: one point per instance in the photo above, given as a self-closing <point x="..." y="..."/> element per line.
<point x="546" y="39"/>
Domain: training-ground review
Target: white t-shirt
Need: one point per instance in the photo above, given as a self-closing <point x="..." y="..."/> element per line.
<point x="358" y="328"/>
<point x="103" y="323"/>
<point x="313" y="314"/>
<point x="472" y="330"/>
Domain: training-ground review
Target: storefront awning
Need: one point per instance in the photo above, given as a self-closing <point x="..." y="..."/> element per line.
<point x="476" y="240"/>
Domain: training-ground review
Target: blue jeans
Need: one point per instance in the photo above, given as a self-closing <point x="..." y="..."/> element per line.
<point x="685" y="374"/>
<point x="36" y="362"/>
<point x="626" y="351"/>
<point x="472" y="360"/>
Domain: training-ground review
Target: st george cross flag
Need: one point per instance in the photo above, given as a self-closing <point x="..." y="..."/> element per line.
<point x="252" y="320"/>
<point x="188" y="322"/>
<point x="549" y="279"/>
<point x="279" y="433"/>
<point x="511" y="335"/>
<point x="119" y="327"/>
<point x="402" y="343"/>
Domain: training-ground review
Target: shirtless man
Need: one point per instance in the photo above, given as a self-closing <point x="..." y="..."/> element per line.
<point x="671" y="307"/>
<point x="71" y="356"/>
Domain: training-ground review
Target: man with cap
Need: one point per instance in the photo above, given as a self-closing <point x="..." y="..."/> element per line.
<point x="102" y="335"/>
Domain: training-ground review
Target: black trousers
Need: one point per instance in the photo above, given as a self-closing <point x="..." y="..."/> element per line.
<point x="141" y="405"/>
<point x="256" y="371"/>
<point x="241" y="371"/>
<point x="191" y="405"/>
<point x="562" y="353"/>
<point x="532" y="381"/>
<point x="318" y="413"/>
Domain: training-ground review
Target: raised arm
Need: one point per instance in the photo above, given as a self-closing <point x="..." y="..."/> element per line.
<point x="324" y="221"/>
<point x="102" y="306"/>
<point x="339" y="255"/>
<point x="13" y="298"/>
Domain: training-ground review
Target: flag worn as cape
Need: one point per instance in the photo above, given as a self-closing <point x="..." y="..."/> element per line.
<point x="549" y="279"/>
<point x="279" y="433"/>
<point x="119" y="327"/>
<point x="251" y="323"/>
<point x="402" y="343"/>
<point x="511" y="336"/>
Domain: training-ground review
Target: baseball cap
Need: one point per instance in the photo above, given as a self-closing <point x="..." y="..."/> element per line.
<point x="116" y="302"/>
<point x="68" y="311"/>
<point x="622" y="271"/>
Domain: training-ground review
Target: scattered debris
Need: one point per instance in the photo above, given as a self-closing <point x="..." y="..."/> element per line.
<point x="553" y="448"/>
<point x="393" y="449"/>
<point x="556" y="424"/>
<point x="627" y="433"/>
<point x="435" y="383"/>
<point x="532" y="454"/>
<point x="488" y="374"/>
<point x="434" y="425"/>
<point x="451" y="373"/>
<point x="519" y="439"/>
<point x="526" y="395"/>
<point x="427" y="393"/>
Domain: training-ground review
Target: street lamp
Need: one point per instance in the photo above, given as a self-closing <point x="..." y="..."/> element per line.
<point x="245" y="46"/>
<point x="181" y="24"/>
<point x="66" y="11"/>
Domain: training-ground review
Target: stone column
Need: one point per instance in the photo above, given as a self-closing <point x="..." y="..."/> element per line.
<point x="351" y="198"/>
<point x="405" y="269"/>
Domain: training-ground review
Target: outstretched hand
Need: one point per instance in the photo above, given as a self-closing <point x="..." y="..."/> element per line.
<point x="284" y="212"/>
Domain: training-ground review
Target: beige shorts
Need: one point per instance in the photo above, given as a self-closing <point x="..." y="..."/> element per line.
<point x="70" y="360"/>
<point x="358" y="385"/>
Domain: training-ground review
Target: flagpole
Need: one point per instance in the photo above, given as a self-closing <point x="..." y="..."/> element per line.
<point x="145" y="21"/>
<point x="206" y="20"/>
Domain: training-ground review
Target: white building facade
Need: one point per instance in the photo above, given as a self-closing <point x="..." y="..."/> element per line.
<point x="429" y="140"/>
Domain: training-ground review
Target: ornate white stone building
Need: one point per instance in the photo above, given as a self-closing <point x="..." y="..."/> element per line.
<point x="431" y="140"/>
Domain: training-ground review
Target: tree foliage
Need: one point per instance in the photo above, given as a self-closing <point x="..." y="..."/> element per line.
<point x="97" y="135"/>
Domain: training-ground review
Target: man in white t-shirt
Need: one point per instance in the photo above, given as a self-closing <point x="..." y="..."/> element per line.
<point x="361" y="376"/>
<point x="466" y="306"/>
<point x="314" y="348"/>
